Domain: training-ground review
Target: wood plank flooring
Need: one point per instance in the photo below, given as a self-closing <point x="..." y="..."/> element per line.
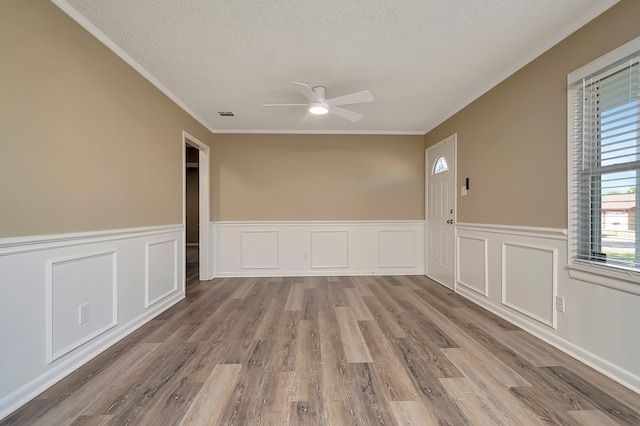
<point x="330" y="351"/>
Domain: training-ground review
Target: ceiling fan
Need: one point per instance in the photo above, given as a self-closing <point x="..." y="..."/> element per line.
<point x="319" y="105"/>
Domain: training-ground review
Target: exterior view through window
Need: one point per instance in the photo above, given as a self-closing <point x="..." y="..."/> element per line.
<point x="607" y="160"/>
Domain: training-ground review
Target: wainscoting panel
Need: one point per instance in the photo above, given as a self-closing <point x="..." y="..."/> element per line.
<point x="529" y="281"/>
<point x="162" y="270"/>
<point x="397" y="249"/>
<point x="472" y="266"/>
<point x="514" y="270"/>
<point x="329" y="249"/>
<point x="81" y="300"/>
<point x="320" y="248"/>
<point x="66" y="298"/>
<point x="259" y="250"/>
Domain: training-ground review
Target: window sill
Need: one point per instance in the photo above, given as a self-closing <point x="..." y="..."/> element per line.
<point x="606" y="276"/>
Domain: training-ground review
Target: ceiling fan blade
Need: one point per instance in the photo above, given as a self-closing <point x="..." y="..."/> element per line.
<point x="306" y="91"/>
<point x="346" y="114"/>
<point x="353" y="98"/>
<point x="278" y="105"/>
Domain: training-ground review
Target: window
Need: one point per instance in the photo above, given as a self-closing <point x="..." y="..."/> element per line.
<point x="440" y="166"/>
<point x="604" y="103"/>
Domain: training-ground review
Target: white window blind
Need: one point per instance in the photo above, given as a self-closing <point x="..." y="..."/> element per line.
<point x="605" y="169"/>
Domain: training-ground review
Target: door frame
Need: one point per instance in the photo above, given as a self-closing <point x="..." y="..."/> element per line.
<point x="204" y="245"/>
<point x="427" y="172"/>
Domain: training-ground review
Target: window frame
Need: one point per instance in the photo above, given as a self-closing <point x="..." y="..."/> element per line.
<point x="607" y="275"/>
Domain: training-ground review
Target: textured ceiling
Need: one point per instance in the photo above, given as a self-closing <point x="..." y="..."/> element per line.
<point x="422" y="60"/>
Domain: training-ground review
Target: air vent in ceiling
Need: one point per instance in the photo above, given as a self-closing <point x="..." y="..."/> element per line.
<point x="226" y="114"/>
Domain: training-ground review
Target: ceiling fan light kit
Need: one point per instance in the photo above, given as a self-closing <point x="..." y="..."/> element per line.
<point x="319" y="105"/>
<point x="318" y="108"/>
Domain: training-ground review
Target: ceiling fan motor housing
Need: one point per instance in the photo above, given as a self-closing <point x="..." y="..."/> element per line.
<point x="319" y="91"/>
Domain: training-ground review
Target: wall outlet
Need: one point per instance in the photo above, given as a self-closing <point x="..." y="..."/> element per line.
<point x="306" y="255"/>
<point x="560" y="303"/>
<point x="84" y="313"/>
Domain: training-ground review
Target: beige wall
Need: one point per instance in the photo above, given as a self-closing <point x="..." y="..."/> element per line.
<point x="317" y="177"/>
<point x="86" y="143"/>
<point x="512" y="142"/>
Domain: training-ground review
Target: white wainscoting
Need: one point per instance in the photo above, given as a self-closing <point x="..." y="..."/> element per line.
<point x="120" y="278"/>
<point x="318" y="248"/>
<point x="472" y="253"/>
<point x="81" y="300"/>
<point x="517" y="272"/>
<point x="529" y="281"/>
<point x="330" y="249"/>
<point x="161" y="278"/>
<point x="259" y="250"/>
<point x="396" y="249"/>
<point x="511" y="269"/>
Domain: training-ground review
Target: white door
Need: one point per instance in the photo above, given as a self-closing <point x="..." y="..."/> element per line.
<point x="440" y="211"/>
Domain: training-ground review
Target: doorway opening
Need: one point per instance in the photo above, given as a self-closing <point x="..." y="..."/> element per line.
<point x="195" y="211"/>
<point x="192" y="224"/>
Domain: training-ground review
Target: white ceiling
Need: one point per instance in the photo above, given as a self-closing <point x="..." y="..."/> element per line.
<point x="423" y="60"/>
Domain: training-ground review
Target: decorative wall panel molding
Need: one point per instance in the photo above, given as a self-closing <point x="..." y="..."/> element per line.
<point x="81" y="300"/>
<point x="161" y="277"/>
<point x="396" y="249"/>
<point x="320" y="248"/>
<point x="529" y="282"/>
<point x="259" y="250"/>
<point x="329" y="249"/>
<point x="473" y="264"/>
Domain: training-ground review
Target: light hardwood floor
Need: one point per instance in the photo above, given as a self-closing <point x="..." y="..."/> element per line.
<point x="330" y="351"/>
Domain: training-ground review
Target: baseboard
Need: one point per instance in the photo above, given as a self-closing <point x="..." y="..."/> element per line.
<point x="320" y="273"/>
